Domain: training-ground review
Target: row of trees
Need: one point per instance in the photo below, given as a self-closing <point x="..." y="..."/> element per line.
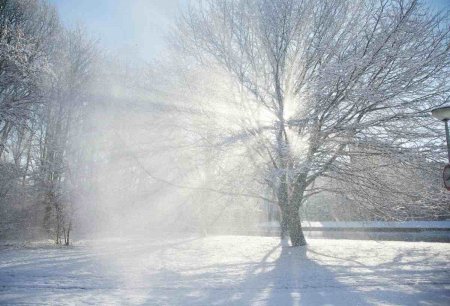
<point x="289" y="102"/>
<point x="45" y="70"/>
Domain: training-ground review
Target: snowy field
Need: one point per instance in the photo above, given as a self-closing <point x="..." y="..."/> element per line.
<point x="227" y="270"/>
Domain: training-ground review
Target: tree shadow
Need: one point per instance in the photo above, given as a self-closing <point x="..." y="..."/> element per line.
<point x="294" y="276"/>
<point x="295" y="279"/>
<point x="291" y="279"/>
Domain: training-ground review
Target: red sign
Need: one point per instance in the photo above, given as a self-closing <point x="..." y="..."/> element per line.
<point x="446" y="176"/>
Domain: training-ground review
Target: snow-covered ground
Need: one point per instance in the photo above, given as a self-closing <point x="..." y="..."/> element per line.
<point x="227" y="270"/>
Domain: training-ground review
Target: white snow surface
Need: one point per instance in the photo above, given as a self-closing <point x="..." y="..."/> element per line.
<point x="227" y="270"/>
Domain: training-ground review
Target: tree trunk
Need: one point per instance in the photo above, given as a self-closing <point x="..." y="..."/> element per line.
<point x="67" y="234"/>
<point x="295" y="228"/>
<point x="4" y="135"/>
<point x="284" y="222"/>
<point x="58" y="234"/>
<point x="290" y="219"/>
<point x="282" y="194"/>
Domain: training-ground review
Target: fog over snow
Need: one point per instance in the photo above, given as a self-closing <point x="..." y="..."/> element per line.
<point x="228" y="270"/>
<point x="235" y="152"/>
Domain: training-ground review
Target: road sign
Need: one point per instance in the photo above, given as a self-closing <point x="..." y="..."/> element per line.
<point x="446" y="176"/>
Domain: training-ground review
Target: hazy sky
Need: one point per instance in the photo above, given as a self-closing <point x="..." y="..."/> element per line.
<point x="136" y="27"/>
<point x="133" y="25"/>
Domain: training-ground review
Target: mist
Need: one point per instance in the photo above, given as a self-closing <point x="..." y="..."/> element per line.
<point x="176" y="146"/>
<point x="152" y="121"/>
<point x="155" y="168"/>
<point x="175" y="152"/>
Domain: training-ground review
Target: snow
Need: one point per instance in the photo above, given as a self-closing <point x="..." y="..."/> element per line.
<point x="368" y="224"/>
<point x="227" y="270"/>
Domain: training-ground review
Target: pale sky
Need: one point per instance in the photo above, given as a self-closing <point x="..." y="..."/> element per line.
<point x="123" y="25"/>
<point x="136" y="27"/>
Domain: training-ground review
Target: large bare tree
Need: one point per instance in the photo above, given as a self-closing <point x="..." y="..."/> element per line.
<point x="334" y="79"/>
